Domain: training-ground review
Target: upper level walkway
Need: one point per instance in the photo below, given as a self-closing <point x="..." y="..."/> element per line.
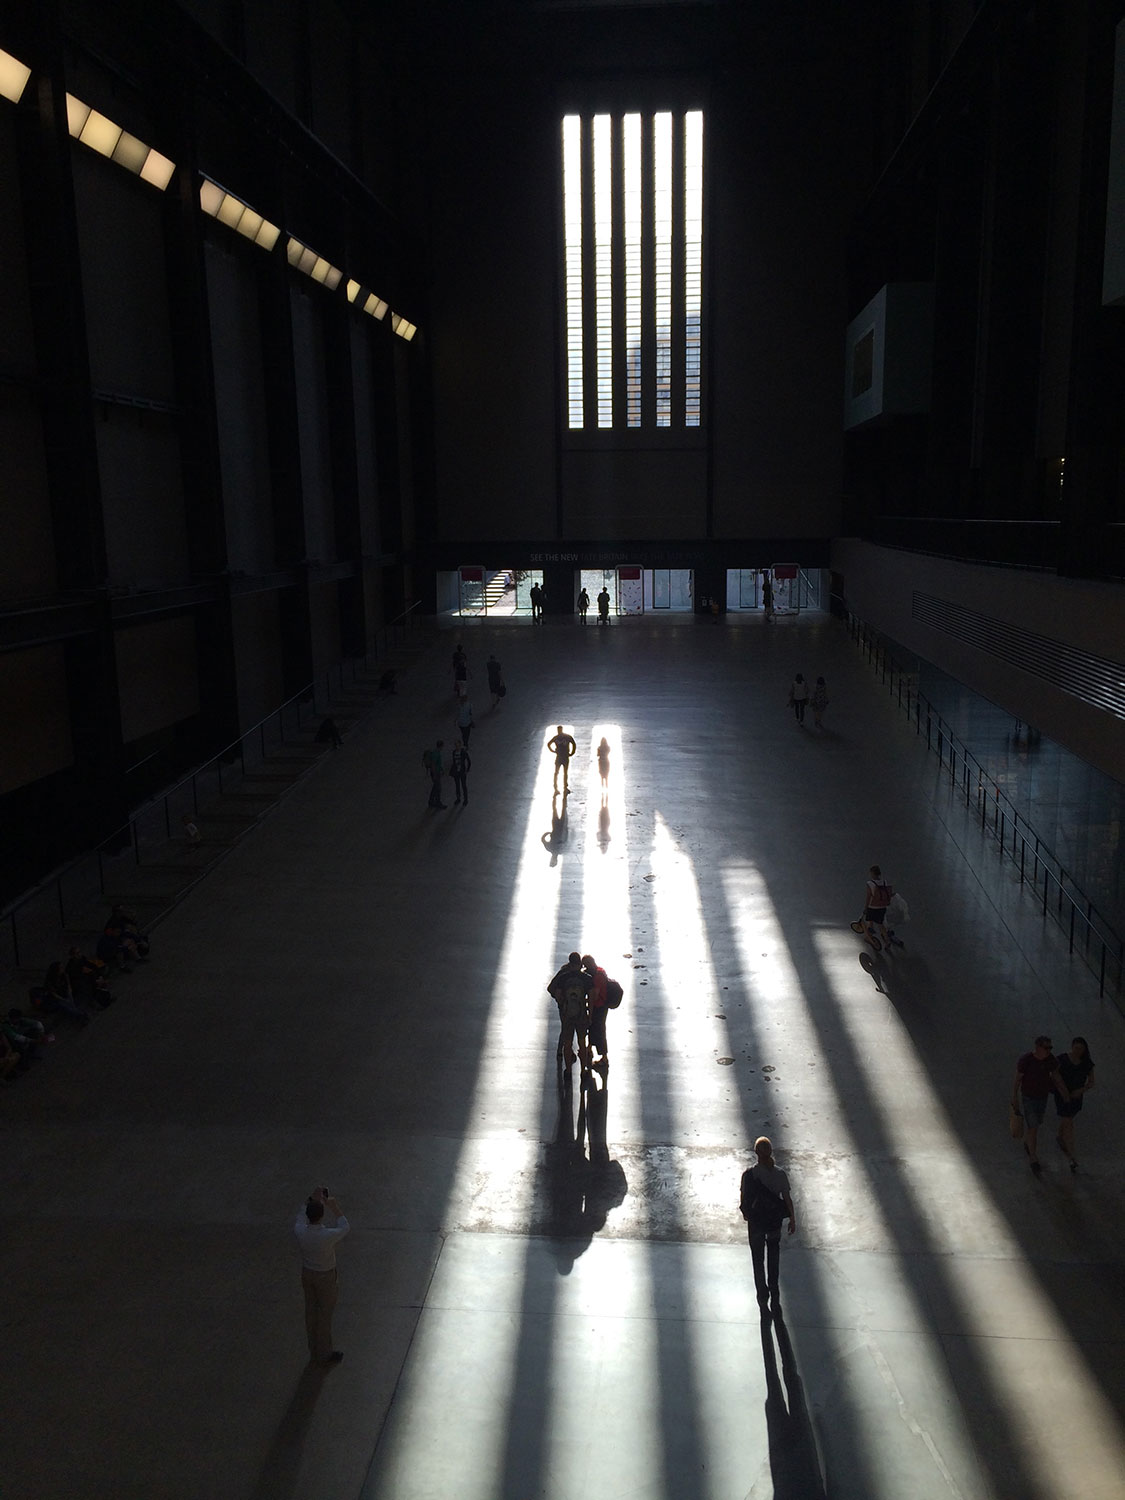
<point x="548" y="1292"/>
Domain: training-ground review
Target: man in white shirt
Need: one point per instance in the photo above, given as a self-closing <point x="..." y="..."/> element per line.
<point x="320" y="1226"/>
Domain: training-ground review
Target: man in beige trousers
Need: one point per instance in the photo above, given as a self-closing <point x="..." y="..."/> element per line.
<point x="319" y="1228"/>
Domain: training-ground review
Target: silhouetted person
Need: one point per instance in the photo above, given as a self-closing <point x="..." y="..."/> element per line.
<point x="767" y="596"/>
<point x="583" y="605"/>
<point x="563" y="747"/>
<point x="328" y="734"/>
<point x="495" y="680"/>
<point x="766" y="1203"/>
<point x="603" y="765"/>
<point x="536" y="596"/>
<point x="570" y="989"/>
<point x="459" y="767"/>
<point x="1037" y="1073"/>
<point x="603" y="606"/>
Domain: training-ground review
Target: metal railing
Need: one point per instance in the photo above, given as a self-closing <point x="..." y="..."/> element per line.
<point x="1088" y="931"/>
<point x="66" y="898"/>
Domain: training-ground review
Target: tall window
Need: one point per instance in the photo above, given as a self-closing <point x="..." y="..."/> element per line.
<point x="634" y="312"/>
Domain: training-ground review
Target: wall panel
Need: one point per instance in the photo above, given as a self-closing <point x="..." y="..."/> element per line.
<point x="36" y="741"/>
<point x="27" y="546"/>
<point x="157" y="675"/>
<point x="17" y="347"/>
<point x="258" y="656"/>
<point x="240" y="410"/>
<point x="142" y="498"/>
<point x="312" y="426"/>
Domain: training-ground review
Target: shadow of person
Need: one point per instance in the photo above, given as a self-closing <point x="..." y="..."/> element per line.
<point x="794" y="1463"/>
<point x="282" y="1468"/>
<point x="603" y="827"/>
<point x="876" y="965"/>
<point x="580" y="1191"/>
<point x="555" y="840"/>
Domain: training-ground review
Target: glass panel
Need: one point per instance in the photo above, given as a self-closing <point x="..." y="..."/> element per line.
<point x="747" y="588"/>
<point x="662" y="243"/>
<point x="631" y="177"/>
<point x="693" y="262"/>
<point x="661" y="588"/>
<point x="603" y="264"/>
<point x="572" y="233"/>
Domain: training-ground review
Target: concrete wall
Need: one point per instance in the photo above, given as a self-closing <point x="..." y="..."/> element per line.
<point x="880" y="585"/>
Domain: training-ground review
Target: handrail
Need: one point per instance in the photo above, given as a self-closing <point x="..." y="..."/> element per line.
<point x="126" y="833"/>
<point x="1100" y="946"/>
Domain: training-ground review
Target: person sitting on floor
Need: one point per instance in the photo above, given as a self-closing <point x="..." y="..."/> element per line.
<point x="56" y="994"/>
<point x="122" y="925"/>
<point x="26" y="1036"/>
<point x="89" y="979"/>
<point x="28" y="1026"/>
<point x="387" y="681"/>
<point x="9" y="1059"/>
<point x="328" y="734"/>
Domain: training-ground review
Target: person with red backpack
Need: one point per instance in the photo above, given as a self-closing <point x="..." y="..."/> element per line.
<point x="605" y="995"/>
<point x="873" y="923"/>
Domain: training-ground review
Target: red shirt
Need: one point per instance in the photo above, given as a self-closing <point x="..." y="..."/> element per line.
<point x="1035" y="1074"/>
<point x="597" y="993"/>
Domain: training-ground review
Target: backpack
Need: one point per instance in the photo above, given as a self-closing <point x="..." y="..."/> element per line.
<point x="574" y="997"/>
<point x="762" y="1210"/>
<point x="614" y="994"/>
<point x="882" y="894"/>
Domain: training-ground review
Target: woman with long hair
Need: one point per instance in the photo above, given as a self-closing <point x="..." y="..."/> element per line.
<point x="1076" y="1068"/>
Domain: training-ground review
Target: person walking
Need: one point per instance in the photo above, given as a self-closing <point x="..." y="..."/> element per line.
<point x="465" y="722"/>
<point x="434" y="766"/>
<point x="766" y="1202"/>
<point x="798" y="697"/>
<point x="319" y="1229"/>
<point x="603" y="606"/>
<point x="1076" y="1069"/>
<point x="877" y="895"/>
<point x="459" y="767"/>
<point x="495" y="679"/>
<point x="535" y="593"/>
<point x="603" y="766"/>
<point x="563" y="746"/>
<point x="460" y="670"/>
<point x="583" y="604"/>
<point x="1037" y="1073"/>
<point x="819" y="702"/>
<point x="767" y="595"/>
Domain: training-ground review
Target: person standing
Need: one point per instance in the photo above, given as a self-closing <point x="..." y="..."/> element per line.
<point x="570" y="989"/>
<point x="798" y="697"/>
<point x="1037" y="1073"/>
<point x="495" y="679"/>
<point x="465" y="722"/>
<point x="564" y="747"/>
<point x="603" y="606"/>
<point x="598" y="1010"/>
<point x="433" y="763"/>
<point x="766" y="1202"/>
<point x="583" y="604"/>
<point x="460" y="670"/>
<point x="535" y="593"/>
<point x="1076" y="1069"/>
<point x="603" y="765"/>
<point x="819" y="702"/>
<point x="459" y="767"/>
<point x="319" y="1229"/>
<point x="767" y="595"/>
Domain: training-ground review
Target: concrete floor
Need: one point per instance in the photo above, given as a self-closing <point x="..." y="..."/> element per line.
<point x="356" y="997"/>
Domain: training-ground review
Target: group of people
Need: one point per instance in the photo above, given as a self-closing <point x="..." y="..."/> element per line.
<point x="563" y="747"/>
<point x="77" y="988"/>
<point x="1039" y="1075"/>
<point x="584" y="994"/>
<point x="460" y="762"/>
<point x="603" y="605"/>
<point x="801" y="696"/>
